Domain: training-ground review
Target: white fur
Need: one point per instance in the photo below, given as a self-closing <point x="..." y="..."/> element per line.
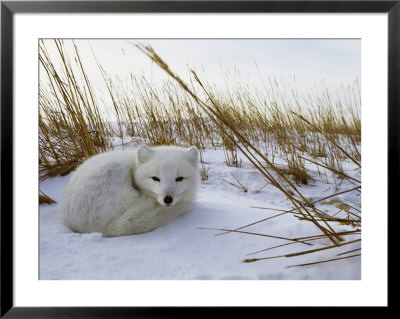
<point x="114" y="193"/>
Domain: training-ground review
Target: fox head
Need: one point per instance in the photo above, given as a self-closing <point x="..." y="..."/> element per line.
<point x="169" y="174"/>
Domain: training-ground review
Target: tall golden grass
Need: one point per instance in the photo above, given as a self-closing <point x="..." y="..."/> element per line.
<point x="298" y="126"/>
<point x="272" y="129"/>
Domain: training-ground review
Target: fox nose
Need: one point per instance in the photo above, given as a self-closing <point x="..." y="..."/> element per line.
<point x="168" y="200"/>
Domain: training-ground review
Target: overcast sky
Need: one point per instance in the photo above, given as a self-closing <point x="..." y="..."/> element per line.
<point x="336" y="61"/>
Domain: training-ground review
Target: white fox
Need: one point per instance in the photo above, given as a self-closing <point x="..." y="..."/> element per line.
<point x="128" y="192"/>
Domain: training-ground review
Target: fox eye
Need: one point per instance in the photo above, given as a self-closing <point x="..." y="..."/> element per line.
<point x="155" y="178"/>
<point x="179" y="179"/>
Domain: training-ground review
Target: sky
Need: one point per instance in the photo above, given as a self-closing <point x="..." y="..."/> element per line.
<point x="336" y="62"/>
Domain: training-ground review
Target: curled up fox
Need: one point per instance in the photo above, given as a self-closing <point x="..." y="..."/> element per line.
<point x="120" y="193"/>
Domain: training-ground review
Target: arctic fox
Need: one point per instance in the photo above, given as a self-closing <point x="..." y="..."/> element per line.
<point x="128" y="192"/>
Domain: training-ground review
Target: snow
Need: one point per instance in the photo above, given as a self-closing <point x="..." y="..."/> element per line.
<point x="187" y="249"/>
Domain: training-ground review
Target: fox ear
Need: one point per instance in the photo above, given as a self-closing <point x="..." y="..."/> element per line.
<point x="144" y="153"/>
<point x="192" y="155"/>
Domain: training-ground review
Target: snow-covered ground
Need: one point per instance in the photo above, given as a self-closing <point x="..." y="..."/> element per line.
<point x="183" y="249"/>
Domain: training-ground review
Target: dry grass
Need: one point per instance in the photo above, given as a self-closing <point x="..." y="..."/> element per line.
<point x="242" y="186"/>
<point x="71" y="127"/>
<point x="292" y="128"/>
<point x="204" y="172"/>
<point x="44" y="199"/>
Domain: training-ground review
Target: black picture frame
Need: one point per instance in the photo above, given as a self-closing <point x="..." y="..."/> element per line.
<point x="9" y="8"/>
